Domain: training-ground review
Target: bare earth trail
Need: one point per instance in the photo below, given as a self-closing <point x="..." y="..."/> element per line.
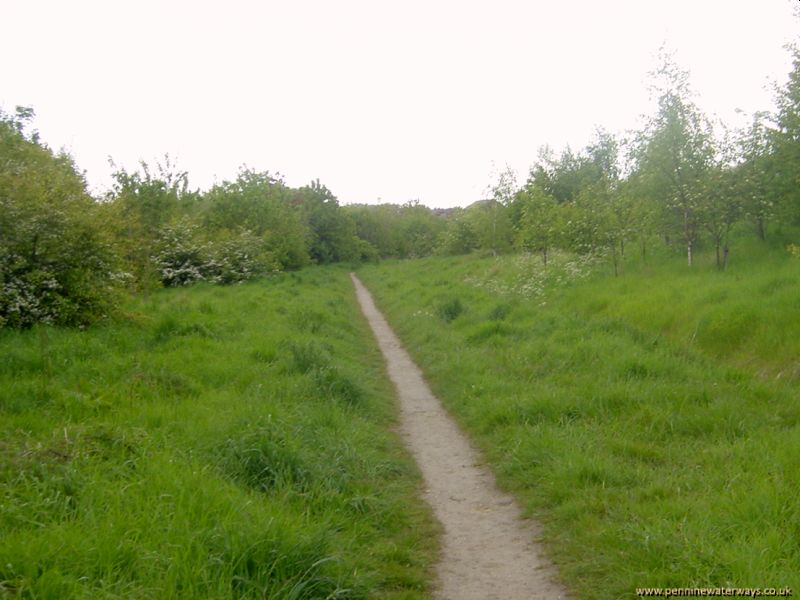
<point x="488" y="550"/>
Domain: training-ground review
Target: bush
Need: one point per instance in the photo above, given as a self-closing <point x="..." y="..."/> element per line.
<point x="238" y="258"/>
<point x="57" y="264"/>
<point x="180" y="258"/>
<point x="184" y="257"/>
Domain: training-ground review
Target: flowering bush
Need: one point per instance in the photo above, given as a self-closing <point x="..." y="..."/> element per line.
<point x="56" y="265"/>
<point x="185" y="257"/>
<point x="180" y="259"/>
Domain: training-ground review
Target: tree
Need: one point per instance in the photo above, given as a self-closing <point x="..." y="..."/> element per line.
<point x="419" y="230"/>
<point x="757" y="175"/>
<point x="723" y="200"/>
<point x="459" y="237"/>
<point x="332" y="232"/>
<point x="644" y="213"/>
<point x="260" y="203"/>
<point x="490" y="218"/>
<point x="490" y="223"/>
<point x="785" y="140"/>
<point x="539" y="225"/>
<point x="140" y="205"/>
<point x="674" y="154"/>
<point x="376" y="226"/>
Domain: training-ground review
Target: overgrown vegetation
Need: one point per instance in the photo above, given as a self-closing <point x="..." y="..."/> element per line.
<point x="208" y="443"/>
<point x="679" y="179"/>
<point x="220" y="442"/>
<point x="57" y="263"/>
<point x="651" y="421"/>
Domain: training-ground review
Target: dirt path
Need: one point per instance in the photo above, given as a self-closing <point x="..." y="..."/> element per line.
<point x="488" y="551"/>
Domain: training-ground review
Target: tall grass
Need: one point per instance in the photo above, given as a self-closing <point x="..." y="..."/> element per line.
<point x="650" y="421"/>
<point x="212" y="443"/>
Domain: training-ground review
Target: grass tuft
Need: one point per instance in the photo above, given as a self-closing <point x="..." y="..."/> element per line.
<point x="449" y="310"/>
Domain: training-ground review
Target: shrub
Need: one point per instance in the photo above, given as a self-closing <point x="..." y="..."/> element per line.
<point x="180" y="257"/>
<point x="57" y="264"/>
<point x="184" y="256"/>
<point x="237" y="258"/>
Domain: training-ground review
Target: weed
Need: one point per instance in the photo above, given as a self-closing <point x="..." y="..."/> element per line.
<point x="499" y="312"/>
<point x="449" y="310"/>
<point x="306" y="356"/>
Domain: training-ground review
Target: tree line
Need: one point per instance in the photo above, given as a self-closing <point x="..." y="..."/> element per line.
<point x="68" y="258"/>
<point x="679" y="179"/>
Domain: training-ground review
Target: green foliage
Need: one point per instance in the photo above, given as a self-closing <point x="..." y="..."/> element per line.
<point x="235" y="257"/>
<point x="183" y="255"/>
<point x="178" y="256"/>
<point x="591" y="214"/>
<point x="333" y="232"/>
<point x="758" y="174"/>
<point x="785" y="143"/>
<point x="675" y="154"/>
<point x="539" y="227"/>
<point x="397" y="231"/>
<point x="213" y="448"/>
<point x="459" y="237"/>
<point x="491" y="225"/>
<point x="681" y="181"/>
<point x="261" y="204"/>
<point x="56" y="264"/>
<point x="564" y="178"/>
<point x="140" y="204"/>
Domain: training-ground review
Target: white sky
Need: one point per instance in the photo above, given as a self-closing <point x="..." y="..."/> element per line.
<point x="390" y="100"/>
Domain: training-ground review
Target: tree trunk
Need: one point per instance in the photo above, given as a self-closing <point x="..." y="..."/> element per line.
<point x="622" y="248"/>
<point x="494" y="232"/>
<point x="719" y="257"/>
<point x="687" y="237"/>
<point x="644" y="248"/>
<point x="725" y="257"/>
<point x="544" y="256"/>
<point x="760" y="229"/>
<point x="614" y="259"/>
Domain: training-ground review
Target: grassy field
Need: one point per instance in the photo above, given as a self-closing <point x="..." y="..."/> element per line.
<point x="210" y="443"/>
<point x="651" y="421"/>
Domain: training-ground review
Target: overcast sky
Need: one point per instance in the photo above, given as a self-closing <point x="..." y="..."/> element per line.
<point x="400" y="100"/>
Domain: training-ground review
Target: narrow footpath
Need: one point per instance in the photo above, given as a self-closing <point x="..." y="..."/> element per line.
<point x="488" y="550"/>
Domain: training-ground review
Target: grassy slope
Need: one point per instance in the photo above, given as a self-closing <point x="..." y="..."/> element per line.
<point x="639" y="418"/>
<point x="742" y="317"/>
<point x="215" y="443"/>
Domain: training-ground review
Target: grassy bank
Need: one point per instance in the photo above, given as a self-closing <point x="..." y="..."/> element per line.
<point x="213" y="443"/>
<point x="743" y="317"/>
<point x="640" y="418"/>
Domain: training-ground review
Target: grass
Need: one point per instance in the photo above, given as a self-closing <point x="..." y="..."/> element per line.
<point x="650" y="421"/>
<point x="213" y="442"/>
<point x="741" y="317"/>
